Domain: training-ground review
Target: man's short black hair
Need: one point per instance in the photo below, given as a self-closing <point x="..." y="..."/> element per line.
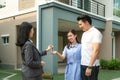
<point x="85" y="18"/>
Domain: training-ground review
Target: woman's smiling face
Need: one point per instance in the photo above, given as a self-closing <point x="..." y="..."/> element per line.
<point x="71" y="37"/>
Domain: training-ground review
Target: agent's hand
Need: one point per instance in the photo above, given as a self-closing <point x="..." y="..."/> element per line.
<point x="54" y="52"/>
<point x="49" y="47"/>
<point x="42" y="63"/>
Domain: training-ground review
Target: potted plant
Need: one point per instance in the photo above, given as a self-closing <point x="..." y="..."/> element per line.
<point x="47" y="76"/>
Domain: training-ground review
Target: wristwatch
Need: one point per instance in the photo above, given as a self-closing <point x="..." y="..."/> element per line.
<point x="89" y="67"/>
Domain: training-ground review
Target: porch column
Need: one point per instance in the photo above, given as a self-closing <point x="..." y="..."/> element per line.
<point x="48" y="34"/>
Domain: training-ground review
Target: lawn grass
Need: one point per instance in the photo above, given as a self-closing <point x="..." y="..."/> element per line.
<point x="2" y="75"/>
<point x="109" y="74"/>
<point x="103" y="75"/>
<point x="59" y="77"/>
<point x="7" y="72"/>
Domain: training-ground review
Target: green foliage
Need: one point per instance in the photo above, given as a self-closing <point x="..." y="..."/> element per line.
<point x="116" y="12"/>
<point x="104" y="64"/>
<point x="113" y="64"/>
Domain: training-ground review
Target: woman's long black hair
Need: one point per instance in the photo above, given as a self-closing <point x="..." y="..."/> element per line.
<point x="75" y="33"/>
<point x="23" y="33"/>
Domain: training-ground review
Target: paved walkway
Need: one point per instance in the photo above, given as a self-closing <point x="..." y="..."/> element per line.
<point x="61" y="67"/>
<point x="116" y="79"/>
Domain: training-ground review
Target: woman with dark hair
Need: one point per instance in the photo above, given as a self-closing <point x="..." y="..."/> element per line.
<point x="72" y="52"/>
<point x="31" y="57"/>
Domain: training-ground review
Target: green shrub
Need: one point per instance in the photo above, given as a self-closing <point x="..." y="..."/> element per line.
<point x="114" y="64"/>
<point x="104" y="64"/>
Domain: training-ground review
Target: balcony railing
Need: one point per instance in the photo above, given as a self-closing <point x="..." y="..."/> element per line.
<point x="88" y="5"/>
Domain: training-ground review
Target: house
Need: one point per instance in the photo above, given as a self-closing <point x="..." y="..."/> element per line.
<point x="51" y="20"/>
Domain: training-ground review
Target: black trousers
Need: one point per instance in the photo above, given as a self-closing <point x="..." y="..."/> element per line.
<point x="94" y="74"/>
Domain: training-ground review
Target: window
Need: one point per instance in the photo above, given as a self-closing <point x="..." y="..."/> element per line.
<point x="2" y="3"/>
<point x="116" y="8"/>
<point x="5" y="39"/>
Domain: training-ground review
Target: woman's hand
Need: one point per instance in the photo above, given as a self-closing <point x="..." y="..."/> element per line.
<point x="49" y="47"/>
<point x="42" y="63"/>
<point x="54" y="52"/>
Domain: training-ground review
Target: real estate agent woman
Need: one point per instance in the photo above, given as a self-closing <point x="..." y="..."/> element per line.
<point x="31" y="57"/>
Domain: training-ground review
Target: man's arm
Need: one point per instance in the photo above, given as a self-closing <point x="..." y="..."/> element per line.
<point x="95" y="53"/>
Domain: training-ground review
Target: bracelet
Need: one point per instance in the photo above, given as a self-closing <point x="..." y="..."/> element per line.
<point x="89" y="67"/>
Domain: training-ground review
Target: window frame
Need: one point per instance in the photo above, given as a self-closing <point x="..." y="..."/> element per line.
<point x="5" y="39"/>
<point x="2" y="4"/>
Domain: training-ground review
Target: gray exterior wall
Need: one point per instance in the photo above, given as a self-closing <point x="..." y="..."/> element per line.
<point x="9" y="54"/>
